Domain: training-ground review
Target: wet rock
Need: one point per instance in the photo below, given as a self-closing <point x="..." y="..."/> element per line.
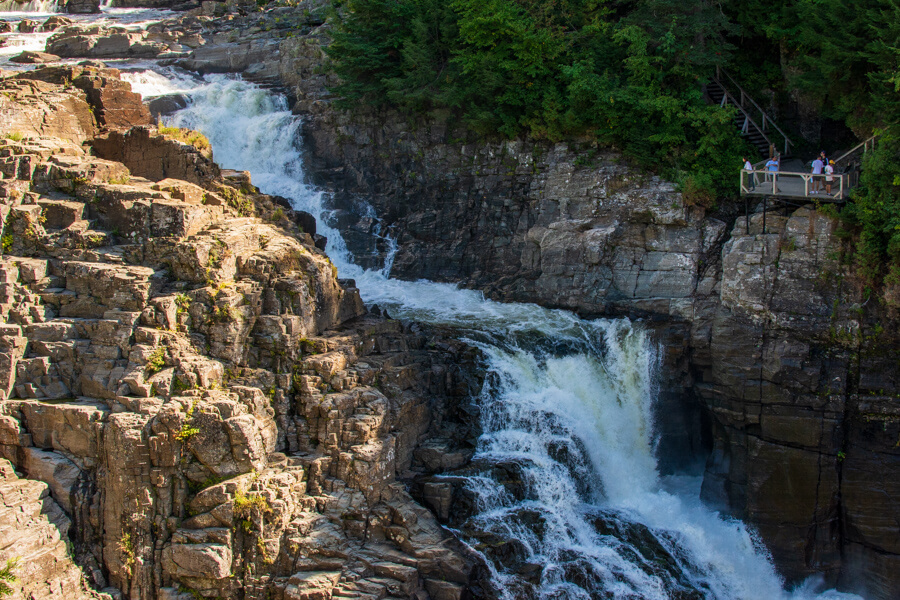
<point x="27" y="26"/>
<point x="56" y="21"/>
<point x="161" y="106"/>
<point x="83" y="7"/>
<point x="33" y="58"/>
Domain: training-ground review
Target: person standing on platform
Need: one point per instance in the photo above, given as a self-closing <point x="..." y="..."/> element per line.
<point x="829" y="176"/>
<point x="817" y="167"/>
<point x="772" y="167"/>
<point x="748" y="167"/>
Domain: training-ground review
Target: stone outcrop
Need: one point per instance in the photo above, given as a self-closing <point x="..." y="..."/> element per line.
<point x="83" y="7"/>
<point x="776" y="364"/>
<point x="211" y="409"/>
<point x="34" y="536"/>
<point x="767" y="339"/>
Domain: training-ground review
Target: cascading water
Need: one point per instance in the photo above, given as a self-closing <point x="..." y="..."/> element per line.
<point x="566" y="498"/>
<point x="32" y="7"/>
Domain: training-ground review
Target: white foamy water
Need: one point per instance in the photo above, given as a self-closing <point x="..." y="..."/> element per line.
<point x="32" y="9"/>
<point x="567" y="400"/>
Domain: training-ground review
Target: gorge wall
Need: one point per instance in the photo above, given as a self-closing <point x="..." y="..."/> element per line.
<point x="778" y="369"/>
<point x="169" y="336"/>
<point x="774" y="353"/>
<point x="764" y="333"/>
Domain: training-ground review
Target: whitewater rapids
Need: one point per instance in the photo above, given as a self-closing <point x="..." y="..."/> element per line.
<point x="567" y="402"/>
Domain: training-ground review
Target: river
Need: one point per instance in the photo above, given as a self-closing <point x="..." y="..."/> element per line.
<point x="566" y="408"/>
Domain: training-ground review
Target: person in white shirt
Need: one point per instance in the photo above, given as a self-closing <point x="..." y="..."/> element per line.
<point x="829" y="176"/>
<point x="817" y="167"/>
<point x="750" y="177"/>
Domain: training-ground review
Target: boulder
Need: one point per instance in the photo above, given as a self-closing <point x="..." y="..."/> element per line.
<point x="34" y="58"/>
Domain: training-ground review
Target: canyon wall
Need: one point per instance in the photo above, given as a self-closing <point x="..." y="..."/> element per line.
<point x="771" y="350"/>
<point x="779" y="369"/>
<point x="776" y="359"/>
<point x="170" y="335"/>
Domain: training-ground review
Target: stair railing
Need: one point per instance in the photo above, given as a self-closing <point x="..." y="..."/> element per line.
<point x="849" y="165"/>
<point x="746" y="99"/>
<point x="865" y="146"/>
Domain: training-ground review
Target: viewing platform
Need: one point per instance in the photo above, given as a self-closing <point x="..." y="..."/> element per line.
<point x="789" y="184"/>
<point x="797" y="181"/>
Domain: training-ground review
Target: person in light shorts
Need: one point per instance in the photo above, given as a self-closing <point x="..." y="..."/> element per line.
<point x="817" y="166"/>
<point x="829" y="176"/>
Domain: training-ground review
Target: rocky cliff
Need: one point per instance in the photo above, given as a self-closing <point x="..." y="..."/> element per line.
<point x="772" y="350"/>
<point x="779" y="369"/>
<point x="780" y="366"/>
<point x="211" y="411"/>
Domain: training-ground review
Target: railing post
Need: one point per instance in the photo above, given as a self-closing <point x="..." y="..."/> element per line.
<point x="805" y="186"/>
<point x="746" y="215"/>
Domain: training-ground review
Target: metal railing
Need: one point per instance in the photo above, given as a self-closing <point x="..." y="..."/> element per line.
<point x="860" y="148"/>
<point x="742" y="103"/>
<point x="760" y="182"/>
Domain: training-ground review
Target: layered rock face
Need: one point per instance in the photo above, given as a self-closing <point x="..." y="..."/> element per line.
<point x="212" y="411"/>
<point x="766" y="338"/>
<point x="774" y="359"/>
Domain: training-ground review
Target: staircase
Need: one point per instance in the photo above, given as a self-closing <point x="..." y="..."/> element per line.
<point x="756" y="126"/>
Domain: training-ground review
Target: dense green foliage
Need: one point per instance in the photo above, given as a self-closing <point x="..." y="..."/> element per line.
<point x="843" y="57"/>
<point x="623" y="73"/>
<point x="629" y="73"/>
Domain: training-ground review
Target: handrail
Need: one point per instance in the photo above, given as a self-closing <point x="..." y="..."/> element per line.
<point x="864" y="145"/>
<point x="788" y="142"/>
<point x="779" y="183"/>
<point x="744" y="111"/>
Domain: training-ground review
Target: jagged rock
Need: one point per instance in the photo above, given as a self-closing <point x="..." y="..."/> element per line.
<point x="312" y="585"/>
<point x="214" y="417"/>
<point x="36" y="534"/>
<point x="148" y="154"/>
<point x="34" y="108"/>
<point x="32" y="58"/>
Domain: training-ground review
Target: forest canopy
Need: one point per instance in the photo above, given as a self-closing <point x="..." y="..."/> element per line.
<point x="630" y="73"/>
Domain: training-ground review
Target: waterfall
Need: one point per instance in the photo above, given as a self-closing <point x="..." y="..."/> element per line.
<point x="40" y="7"/>
<point x="567" y="500"/>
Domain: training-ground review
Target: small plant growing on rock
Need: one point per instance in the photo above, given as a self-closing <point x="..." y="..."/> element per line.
<point x="123" y="180"/>
<point x="8" y="576"/>
<point x="7" y="242"/>
<point x="185" y="136"/>
<point x="187" y="428"/>
<point x="14" y="136"/>
<point x="126" y="547"/>
<point x="224" y="314"/>
<point x="247" y="506"/>
<point x="156" y="361"/>
<point x="277" y="215"/>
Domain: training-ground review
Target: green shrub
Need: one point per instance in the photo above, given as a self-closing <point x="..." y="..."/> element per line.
<point x="188" y="430"/>
<point x="126" y="547"/>
<point x="8" y="576"/>
<point x="186" y="136"/>
<point x="156" y="361"/>
<point x="14" y="136"/>
<point x="627" y="75"/>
